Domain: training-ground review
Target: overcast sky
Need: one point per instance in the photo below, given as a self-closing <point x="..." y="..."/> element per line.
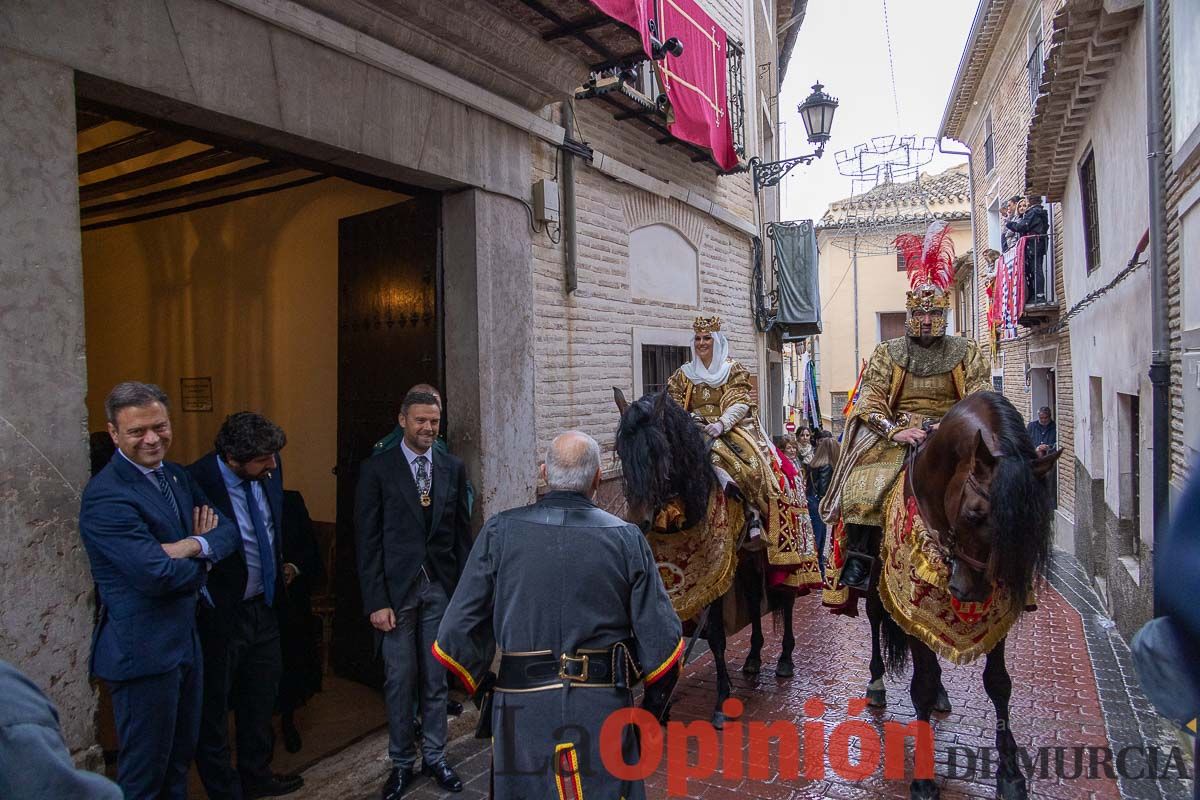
<point x="842" y="44"/>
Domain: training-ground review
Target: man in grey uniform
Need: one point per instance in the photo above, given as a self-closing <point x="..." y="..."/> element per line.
<point x="573" y="598"/>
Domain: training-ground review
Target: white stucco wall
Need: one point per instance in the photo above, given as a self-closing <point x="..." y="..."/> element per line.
<point x="1120" y="320"/>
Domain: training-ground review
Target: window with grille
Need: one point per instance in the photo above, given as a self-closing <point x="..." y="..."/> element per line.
<point x="659" y="362"/>
<point x="989" y="145"/>
<point x="1091" y="212"/>
<point x="901" y="264"/>
<point x="1033" y="67"/>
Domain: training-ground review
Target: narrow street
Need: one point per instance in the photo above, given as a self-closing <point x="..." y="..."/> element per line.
<point x="1073" y="687"/>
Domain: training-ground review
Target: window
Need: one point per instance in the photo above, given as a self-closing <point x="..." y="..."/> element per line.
<point x="901" y="264"/>
<point x="989" y="145"/>
<point x="737" y="102"/>
<point x="1033" y="67"/>
<point x="891" y="325"/>
<point x="659" y="362"/>
<point x="1091" y="212"/>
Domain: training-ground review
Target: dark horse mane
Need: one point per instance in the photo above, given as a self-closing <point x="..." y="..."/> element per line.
<point x="664" y="455"/>
<point x="1022" y="514"/>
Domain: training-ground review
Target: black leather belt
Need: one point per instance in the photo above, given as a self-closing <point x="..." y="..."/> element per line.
<point x="613" y="667"/>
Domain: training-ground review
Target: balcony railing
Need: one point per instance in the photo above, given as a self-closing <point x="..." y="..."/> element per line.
<point x="737" y="99"/>
<point x="1033" y="72"/>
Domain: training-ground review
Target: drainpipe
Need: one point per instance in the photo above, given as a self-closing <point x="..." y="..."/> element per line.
<point x="568" y="200"/>
<point x="1160" y="366"/>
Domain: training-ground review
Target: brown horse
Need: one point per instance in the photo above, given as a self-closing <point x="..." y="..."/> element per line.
<point x="982" y="494"/>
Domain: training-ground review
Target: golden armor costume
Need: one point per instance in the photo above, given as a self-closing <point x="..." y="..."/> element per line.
<point x="908" y="382"/>
<point x="721" y="393"/>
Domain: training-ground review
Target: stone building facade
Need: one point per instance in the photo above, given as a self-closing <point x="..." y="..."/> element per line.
<point x="1082" y="115"/>
<point x="460" y="107"/>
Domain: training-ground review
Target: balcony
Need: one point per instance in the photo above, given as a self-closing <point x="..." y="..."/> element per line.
<point x="633" y="94"/>
<point x="1042" y="310"/>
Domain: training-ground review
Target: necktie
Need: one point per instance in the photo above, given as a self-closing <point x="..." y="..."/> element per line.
<point x="423" y="479"/>
<point x="265" y="554"/>
<point x="161" y="474"/>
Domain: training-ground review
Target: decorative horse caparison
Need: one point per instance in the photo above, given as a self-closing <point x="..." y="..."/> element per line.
<point x="665" y="457"/>
<point x="981" y="494"/>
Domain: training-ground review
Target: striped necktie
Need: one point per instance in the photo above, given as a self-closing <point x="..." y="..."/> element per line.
<point x="161" y="474"/>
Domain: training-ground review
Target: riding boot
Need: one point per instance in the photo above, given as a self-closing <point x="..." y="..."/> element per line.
<point x="856" y="572"/>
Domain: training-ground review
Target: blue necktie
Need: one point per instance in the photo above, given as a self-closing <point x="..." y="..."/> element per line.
<point x="161" y="474"/>
<point x="266" y="555"/>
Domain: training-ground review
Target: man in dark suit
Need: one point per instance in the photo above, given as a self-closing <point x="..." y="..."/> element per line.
<point x="150" y="536"/>
<point x="240" y="631"/>
<point x="411" y="523"/>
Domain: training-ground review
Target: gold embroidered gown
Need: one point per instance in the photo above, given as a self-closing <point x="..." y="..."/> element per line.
<point x="745" y="454"/>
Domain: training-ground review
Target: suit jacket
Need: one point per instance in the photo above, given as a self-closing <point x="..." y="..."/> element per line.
<point x="227" y="580"/>
<point x="147" y="622"/>
<point x="389" y="524"/>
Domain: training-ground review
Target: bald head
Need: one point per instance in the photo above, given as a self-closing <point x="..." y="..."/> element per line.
<point x="572" y="463"/>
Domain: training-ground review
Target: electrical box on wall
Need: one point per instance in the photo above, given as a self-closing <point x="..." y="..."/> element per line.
<point x="545" y="200"/>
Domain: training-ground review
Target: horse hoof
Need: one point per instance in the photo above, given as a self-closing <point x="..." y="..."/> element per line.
<point x="1011" y="788"/>
<point x="718" y="720"/>
<point x="785" y="668"/>
<point x="752" y="666"/>
<point x="924" y="790"/>
<point x="942" y="703"/>
<point x="877" y="698"/>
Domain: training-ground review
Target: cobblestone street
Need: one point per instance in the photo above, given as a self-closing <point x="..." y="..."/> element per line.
<point x="1073" y="687"/>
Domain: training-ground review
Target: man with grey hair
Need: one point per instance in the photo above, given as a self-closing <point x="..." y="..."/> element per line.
<point x="150" y="535"/>
<point x="573" y="598"/>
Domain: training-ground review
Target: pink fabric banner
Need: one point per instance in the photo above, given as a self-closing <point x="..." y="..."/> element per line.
<point x="696" y="82"/>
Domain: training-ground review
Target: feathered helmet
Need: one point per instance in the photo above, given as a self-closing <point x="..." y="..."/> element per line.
<point x="930" y="262"/>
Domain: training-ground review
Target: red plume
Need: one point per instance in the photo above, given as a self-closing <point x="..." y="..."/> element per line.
<point x="929" y="258"/>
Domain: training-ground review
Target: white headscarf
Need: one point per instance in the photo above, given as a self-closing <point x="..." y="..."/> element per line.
<point x="717" y="371"/>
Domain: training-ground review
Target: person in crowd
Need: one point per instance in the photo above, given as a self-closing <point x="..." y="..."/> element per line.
<point x="1043" y="432"/>
<point x="239" y="631"/>
<point x="34" y="759"/>
<point x="412" y="535"/>
<point x="303" y="572"/>
<point x="803" y="442"/>
<point x="1033" y="223"/>
<point x="572" y="648"/>
<point x="150" y="535"/>
<point x="819" y="473"/>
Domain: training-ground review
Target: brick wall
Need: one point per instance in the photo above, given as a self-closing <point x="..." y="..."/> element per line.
<point x="584" y="340"/>
<point x="1007" y="98"/>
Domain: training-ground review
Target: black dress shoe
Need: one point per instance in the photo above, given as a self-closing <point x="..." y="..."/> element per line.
<point x="275" y="786"/>
<point x="397" y="783"/>
<point x="445" y="777"/>
<point x="453" y="709"/>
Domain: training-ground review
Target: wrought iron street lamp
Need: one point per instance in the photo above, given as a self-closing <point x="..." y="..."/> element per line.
<point x="816" y="112"/>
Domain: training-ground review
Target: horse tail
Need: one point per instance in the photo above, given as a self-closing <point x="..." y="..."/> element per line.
<point x="894" y="645"/>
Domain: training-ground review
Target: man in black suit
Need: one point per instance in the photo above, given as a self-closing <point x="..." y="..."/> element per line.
<point x="239" y="632"/>
<point x="411" y="522"/>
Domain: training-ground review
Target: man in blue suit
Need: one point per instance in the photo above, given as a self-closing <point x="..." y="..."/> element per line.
<point x="240" y="631"/>
<point x="150" y="536"/>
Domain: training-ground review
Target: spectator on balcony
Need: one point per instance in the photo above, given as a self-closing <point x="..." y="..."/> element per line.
<point x="1008" y="213"/>
<point x="1034" y="224"/>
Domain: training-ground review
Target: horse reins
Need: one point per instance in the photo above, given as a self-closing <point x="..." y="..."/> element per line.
<point x="950" y="538"/>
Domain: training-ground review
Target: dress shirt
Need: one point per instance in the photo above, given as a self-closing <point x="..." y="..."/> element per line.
<point x="237" y="497"/>
<point x="205" y="551"/>
<point x="412" y="456"/>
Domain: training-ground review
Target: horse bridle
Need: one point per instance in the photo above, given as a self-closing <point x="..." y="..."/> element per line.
<point x="950" y="537"/>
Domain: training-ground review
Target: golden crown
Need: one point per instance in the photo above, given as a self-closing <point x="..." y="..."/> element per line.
<point x="706" y="324"/>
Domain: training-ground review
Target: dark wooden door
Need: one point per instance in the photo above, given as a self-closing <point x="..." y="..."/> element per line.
<point x="388" y="339"/>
